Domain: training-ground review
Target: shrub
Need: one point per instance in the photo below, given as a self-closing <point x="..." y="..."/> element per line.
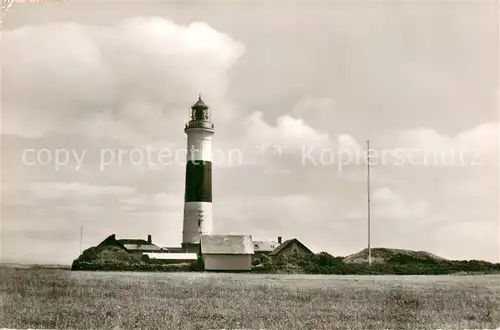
<point x="107" y="265"/>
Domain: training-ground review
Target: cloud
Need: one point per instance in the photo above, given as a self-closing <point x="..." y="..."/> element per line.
<point x="265" y="143"/>
<point x="288" y="131"/>
<point x="478" y="144"/>
<point x="119" y="80"/>
<point x="49" y="215"/>
<point x="268" y="216"/>
<point x="394" y="214"/>
<point x="347" y="142"/>
<point x="303" y="144"/>
<point x="321" y="112"/>
<point x="467" y="240"/>
<point x="63" y="194"/>
<point x="390" y="206"/>
<point x="157" y="202"/>
<point x="54" y="190"/>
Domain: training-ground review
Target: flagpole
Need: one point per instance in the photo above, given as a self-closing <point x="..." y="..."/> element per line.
<point x="368" y="196"/>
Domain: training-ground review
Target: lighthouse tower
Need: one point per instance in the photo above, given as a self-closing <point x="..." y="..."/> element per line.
<point x="198" y="193"/>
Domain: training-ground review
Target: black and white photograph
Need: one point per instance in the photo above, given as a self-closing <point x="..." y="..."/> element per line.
<point x="240" y="164"/>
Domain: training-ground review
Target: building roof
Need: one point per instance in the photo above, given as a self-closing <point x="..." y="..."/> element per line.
<point x="133" y="241"/>
<point x="226" y="244"/>
<point x="111" y="241"/>
<point x="287" y="243"/>
<point x="199" y="104"/>
<point x="139" y="245"/>
<point x="265" y="246"/>
<point x="172" y="256"/>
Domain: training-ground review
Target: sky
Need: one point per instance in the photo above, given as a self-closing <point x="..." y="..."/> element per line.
<point x="95" y="97"/>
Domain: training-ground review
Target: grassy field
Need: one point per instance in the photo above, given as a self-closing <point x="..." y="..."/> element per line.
<point x="65" y="299"/>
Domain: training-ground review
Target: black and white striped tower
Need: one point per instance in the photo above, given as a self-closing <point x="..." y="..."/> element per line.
<point x="198" y="193"/>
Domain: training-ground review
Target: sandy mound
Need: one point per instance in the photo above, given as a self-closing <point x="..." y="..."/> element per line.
<point x="383" y="255"/>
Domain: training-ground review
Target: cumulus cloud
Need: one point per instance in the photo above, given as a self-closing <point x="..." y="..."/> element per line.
<point x="478" y="144"/>
<point x="317" y="110"/>
<point x="476" y="147"/>
<point x="484" y="138"/>
<point x="288" y="131"/>
<point x="347" y="142"/>
<point x="117" y="80"/>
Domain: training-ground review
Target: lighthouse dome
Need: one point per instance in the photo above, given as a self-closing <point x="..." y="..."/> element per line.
<point x="199" y="104"/>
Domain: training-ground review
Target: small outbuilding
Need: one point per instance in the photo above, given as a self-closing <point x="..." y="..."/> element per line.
<point x="227" y="252"/>
<point x="291" y="247"/>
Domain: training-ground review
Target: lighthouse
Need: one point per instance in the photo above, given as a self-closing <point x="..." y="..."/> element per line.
<point x="198" y="190"/>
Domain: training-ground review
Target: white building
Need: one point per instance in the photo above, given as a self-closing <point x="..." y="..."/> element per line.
<point x="227" y="252"/>
<point x="173" y="257"/>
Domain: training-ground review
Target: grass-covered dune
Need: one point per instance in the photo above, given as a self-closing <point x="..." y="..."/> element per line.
<point x="111" y="255"/>
<point x="386" y="261"/>
<point x="59" y="299"/>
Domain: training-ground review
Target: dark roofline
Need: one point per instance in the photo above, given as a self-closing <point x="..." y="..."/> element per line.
<point x="110" y="241"/>
<point x="286" y="243"/>
<point x="135" y="241"/>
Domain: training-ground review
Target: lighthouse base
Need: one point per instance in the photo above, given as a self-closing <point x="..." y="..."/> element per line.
<point x="197" y="221"/>
<point x="191" y="248"/>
